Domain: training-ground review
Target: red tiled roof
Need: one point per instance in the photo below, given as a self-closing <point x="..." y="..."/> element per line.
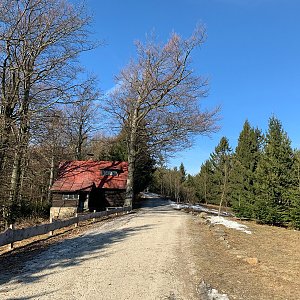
<point x="83" y="175"/>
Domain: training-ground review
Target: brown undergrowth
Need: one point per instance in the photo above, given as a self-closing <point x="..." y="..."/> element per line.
<point x="262" y="266"/>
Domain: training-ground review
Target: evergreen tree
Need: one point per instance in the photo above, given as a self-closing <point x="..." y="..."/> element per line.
<point x="204" y="183"/>
<point x="182" y="172"/>
<point x="274" y="174"/>
<point x="295" y="199"/>
<point x="242" y="177"/>
<point x="220" y="160"/>
<point x="188" y="190"/>
<point x="115" y="149"/>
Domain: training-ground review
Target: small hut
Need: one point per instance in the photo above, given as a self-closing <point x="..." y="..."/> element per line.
<point x="88" y="186"/>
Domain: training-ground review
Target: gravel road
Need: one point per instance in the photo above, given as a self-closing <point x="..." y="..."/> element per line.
<point x="142" y="255"/>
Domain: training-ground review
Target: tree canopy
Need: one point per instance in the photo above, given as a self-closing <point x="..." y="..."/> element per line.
<point x="157" y="98"/>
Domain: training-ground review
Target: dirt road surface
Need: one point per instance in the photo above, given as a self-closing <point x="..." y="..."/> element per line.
<point x="143" y="255"/>
<point x="156" y="253"/>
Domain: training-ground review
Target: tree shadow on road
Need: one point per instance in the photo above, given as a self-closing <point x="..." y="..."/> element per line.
<point x="156" y="206"/>
<point x="148" y="203"/>
<point x="34" y="296"/>
<point x="65" y="254"/>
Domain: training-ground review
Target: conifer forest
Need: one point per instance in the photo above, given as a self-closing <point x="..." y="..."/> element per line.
<point x="259" y="179"/>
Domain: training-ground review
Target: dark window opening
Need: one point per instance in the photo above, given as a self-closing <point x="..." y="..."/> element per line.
<point x="70" y="196"/>
<point x="109" y="172"/>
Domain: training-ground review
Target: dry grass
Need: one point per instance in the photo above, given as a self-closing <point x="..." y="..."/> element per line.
<point x="220" y="254"/>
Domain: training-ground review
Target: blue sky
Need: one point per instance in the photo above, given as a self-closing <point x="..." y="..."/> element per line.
<point x="251" y="57"/>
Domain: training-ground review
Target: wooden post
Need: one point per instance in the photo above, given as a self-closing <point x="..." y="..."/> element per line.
<point x="51" y="232"/>
<point x="11" y="245"/>
<point x="76" y="224"/>
<point x="94" y="219"/>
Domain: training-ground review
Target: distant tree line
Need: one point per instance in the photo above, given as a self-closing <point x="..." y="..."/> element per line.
<point x="260" y="180"/>
<point x="174" y="183"/>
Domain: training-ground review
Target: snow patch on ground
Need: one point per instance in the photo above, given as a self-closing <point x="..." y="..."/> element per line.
<point x="208" y="293"/>
<point x="229" y="224"/>
<point x="214" y="295"/>
<point x="198" y="208"/>
<point x="150" y="195"/>
<point x="213" y="219"/>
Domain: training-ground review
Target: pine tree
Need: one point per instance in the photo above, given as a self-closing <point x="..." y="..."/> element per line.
<point x="188" y="190"/>
<point x="204" y="183"/>
<point x="274" y="186"/>
<point x="295" y="199"/>
<point x="182" y="173"/>
<point x="242" y="177"/>
<point x="221" y="165"/>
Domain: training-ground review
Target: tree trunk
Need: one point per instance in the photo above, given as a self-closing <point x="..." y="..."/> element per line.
<point x="18" y="170"/>
<point x="8" y="103"/>
<point x="205" y="188"/>
<point x="51" y="178"/>
<point x="171" y="185"/>
<point x="21" y="147"/>
<point x="24" y="165"/>
<point x="79" y="143"/>
<point x="224" y="188"/>
<point x="131" y="159"/>
<point x="15" y="179"/>
<point x="5" y="141"/>
<point x="4" y="138"/>
<point x="130" y="179"/>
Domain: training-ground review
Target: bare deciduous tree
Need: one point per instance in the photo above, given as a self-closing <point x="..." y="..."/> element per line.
<point x="81" y="118"/>
<point x="40" y="41"/>
<point x="48" y="145"/>
<point x="157" y="99"/>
